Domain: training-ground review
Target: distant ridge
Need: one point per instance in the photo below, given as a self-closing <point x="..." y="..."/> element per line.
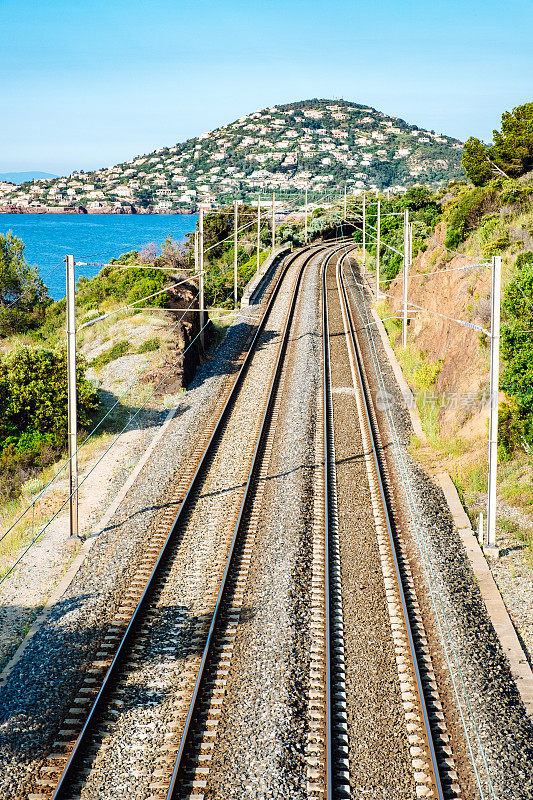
<point x="24" y="177"/>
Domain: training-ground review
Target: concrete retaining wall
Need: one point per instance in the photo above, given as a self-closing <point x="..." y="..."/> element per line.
<point x="253" y="289"/>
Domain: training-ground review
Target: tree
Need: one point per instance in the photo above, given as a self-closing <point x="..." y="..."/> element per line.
<point x="23" y="295"/>
<point x="18" y="280"/>
<point x="511" y="154"/>
<point x="418" y="197"/>
<point x="513" y="147"/>
<point x="476" y="163"/>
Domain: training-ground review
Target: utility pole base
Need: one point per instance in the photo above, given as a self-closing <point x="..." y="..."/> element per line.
<point x="492" y="552"/>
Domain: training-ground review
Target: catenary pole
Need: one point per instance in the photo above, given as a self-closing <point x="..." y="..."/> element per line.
<point x="493" y="418"/>
<point x="364" y="231"/>
<point x="258" y="228"/>
<point x="72" y="399"/>
<point x="405" y="269"/>
<point x="235" y="252"/>
<point x="306" y="215"/>
<point x="345" y="199"/>
<point x="201" y="271"/>
<point x="378" y="245"/>
<point x="273" y="221"/>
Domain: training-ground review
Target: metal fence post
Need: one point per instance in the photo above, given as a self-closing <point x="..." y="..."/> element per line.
<point x="306" y="215"/>
<point x="72" y="398"/>
<point x="378" y="245"/>
<point x="258" y="229"/>
<point x="235" y="253"/>
<point x="364" y="231"/>
<point x="273" y="221"/>
<point x="201" y="272"/>
<point x="405" y="268"/>
<point x="491" y="547"/>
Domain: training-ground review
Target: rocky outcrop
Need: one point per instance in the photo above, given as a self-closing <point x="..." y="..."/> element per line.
<point x="186" y="339"/>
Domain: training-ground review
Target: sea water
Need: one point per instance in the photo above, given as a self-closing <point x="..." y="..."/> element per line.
<point x="93" y="238"/>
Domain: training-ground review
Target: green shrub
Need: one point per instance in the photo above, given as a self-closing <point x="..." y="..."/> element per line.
<point x="517" y="336"/>
<point x="496" y="246"/>
<point x="514" y="194"/>
<point x="118" y="350"/>
<point x="18" y="466"/>
<point x="149" y="345"/>
<point x="122" y="285"/>
<point x="467" y="211"/>
<point x="33" y="424"/>
<point x="515" y="428"/>
<point x="33" y="392"/>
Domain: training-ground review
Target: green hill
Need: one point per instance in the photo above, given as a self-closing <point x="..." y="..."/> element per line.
<point x="319" y="143"/>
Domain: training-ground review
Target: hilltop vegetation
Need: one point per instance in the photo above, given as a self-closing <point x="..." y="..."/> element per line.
<point x="511" y="153"/>
<point x="319" y="143"/>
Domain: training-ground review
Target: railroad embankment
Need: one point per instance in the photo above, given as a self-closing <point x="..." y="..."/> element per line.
<point x="447" y="366"/>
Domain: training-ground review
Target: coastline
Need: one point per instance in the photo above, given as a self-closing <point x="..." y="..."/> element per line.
<point x="16" y="209"/>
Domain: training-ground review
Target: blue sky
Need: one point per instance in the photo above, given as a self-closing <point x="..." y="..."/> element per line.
<point x="88" y="84"/>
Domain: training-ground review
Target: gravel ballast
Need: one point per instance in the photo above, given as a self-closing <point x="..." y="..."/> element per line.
<point x="380" y="763"/>
<point x="260" y="747"/>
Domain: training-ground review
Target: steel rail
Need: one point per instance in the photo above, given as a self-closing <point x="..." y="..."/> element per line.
<point x="329" y="464"/>
<point x="72" y="763"/>
<point x="337" y="767"/>
<point x="388" y="517"/>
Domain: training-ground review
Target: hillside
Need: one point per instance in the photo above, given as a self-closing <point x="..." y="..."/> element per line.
<point x="319" y="143"/>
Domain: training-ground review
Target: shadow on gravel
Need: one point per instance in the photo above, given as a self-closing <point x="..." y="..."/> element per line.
<point x="42" y="686"/>
<point x="37" y="692"/>
<point x="155" y="507"/>
<point x="130" y="415"/>
<point x="351" y="459"/>
<point x="516" y="547"/>
<point x="220" y="492"/>
<point x="224" y="359"/>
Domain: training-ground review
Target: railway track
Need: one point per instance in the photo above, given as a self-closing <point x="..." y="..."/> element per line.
<point x="164" y="649"/>
<point x="76" y="761"/>
<point x="433" y="767"/>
